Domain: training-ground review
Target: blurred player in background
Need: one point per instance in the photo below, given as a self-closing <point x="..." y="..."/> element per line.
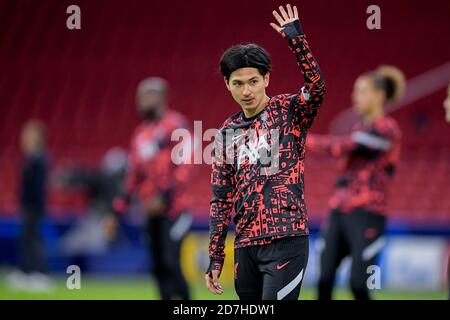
<point x="447" y="117"/>
<point x="447" y="105"/>
<point x="32" y="202"/>
<point x="160" y="184"/>
<point x="271" y="244"/>
<point x="98" y="229"/>
<point x="368" y="157"/>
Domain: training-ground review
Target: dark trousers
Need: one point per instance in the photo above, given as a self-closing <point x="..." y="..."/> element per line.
<point x="166" y="250"/>
<point x="359" y="234"/>
<point x="31" y="244"/>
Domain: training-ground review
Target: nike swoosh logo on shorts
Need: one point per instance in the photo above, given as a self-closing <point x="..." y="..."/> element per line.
<point x="281" y="266"/>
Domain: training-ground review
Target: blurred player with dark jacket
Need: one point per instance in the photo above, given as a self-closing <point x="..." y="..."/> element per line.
<point x="32" y="200"/>
<point x="160" y="185"/>
<point x="369" y="156"/>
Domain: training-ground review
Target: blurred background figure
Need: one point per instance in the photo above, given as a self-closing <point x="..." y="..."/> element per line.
<point x="95" y="231"/>
<point x="447" y="118"/>
<point x="447" y="105"/>
<point x="32" y="204"/>
<point x="369" y="155"/>
<point x="160" y="185"/>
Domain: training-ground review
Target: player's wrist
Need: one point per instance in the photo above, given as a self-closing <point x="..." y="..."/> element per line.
<point x="215" y="264"/>
<point x="292" y="30"/>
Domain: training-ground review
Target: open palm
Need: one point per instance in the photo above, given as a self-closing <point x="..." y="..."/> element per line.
<point x="284" y="17"/>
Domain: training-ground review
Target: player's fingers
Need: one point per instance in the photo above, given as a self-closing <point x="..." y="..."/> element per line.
<point x="217" y="285"/>
<point x="215" y="279"/>
<point x="216" y="282"/>
<point x="213" y="290"/>
<point x="218" y="289"/>
<point x="295" y="12"/>
<point x="207" y="280"/>
<point x="210" y="286"/>
<point x="283" y="13"/>
<point x="278" y="17"/>
<point x="277" y="28"/>
<point x="289" y="11"/>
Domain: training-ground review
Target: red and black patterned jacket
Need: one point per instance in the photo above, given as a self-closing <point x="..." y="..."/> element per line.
<point x="368" y="156"/>
<point x="152" y="171"/>
<point x="267" y="196"/>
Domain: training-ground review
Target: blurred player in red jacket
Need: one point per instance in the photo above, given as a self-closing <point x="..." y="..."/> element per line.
<point x="447" y="105"/>
<point x="160" y="185"/>
<point x="369" y="156"/>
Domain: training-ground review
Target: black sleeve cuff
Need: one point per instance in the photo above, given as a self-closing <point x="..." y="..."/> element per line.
<point x="293" y="29"/>
<point x="215" y="265"/>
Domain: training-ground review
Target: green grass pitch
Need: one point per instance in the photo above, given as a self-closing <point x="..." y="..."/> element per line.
<point x="143" y="288"/>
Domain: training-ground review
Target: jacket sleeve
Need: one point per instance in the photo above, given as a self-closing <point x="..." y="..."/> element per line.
<point x="221" y="204"/>
<point x="335" y="146"/>
<point x="310" y="97"/>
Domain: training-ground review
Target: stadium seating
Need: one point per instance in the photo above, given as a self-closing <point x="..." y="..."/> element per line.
<point x="81" y="83"/>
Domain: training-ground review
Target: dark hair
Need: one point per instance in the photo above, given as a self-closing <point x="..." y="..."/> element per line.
<point x="390" y="80"/>
<point x="245" y="56"/>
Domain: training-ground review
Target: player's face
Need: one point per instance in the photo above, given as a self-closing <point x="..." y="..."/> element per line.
<point x="150" y="103"/>
<point x="248" y="88"/>
<point x="365" y="96"/>
<point x="447" y="106"/>
<point x="31" y="139"/>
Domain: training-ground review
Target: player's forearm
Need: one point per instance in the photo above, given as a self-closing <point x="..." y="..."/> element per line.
<point x="216" y="254"/>
<point x="329" y="145"/>
<point x="314" y="81"/>
<point x="219" y="220"/>
<point x="374" y="140"/>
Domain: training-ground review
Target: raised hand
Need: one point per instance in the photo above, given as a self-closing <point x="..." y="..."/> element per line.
<point x="287" y="16"/>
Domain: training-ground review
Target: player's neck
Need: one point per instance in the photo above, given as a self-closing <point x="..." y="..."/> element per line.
<point x="373" y="116"/>
<point x="155" y="116"/>
<point x="258" y="109"/>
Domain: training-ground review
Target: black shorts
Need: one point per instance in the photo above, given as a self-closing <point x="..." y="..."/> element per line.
<point x="271" y="272"/>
